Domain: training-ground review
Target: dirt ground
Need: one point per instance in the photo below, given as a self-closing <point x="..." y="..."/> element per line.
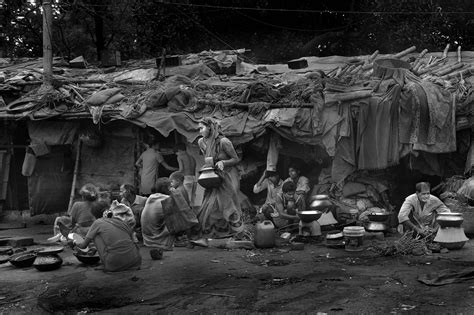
<point x="211" y="280"/>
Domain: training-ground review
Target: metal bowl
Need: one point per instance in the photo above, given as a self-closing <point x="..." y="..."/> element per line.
<point x="6" y="250"/>
<point x="48" y="262"/>
<point x="320" y="203"/>
<point x="87" y="260"/>
<point x="334" y="235"/>
<point x="51" y="250"/>
<point x="23" y="260"/>
<point x="375" y="227"/>
<point x="309" y="215"/>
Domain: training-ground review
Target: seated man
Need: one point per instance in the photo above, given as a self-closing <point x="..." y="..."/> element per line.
<point x="419" y="210"/>
<point x="301" y="182"/>
<point x="287" y="204"/>
<point x="271" y="182"/>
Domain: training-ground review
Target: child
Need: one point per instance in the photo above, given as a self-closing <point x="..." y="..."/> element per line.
<point x="177" y="188"/>
<point x="287" y="205"/>
<point x="177" y="185"/>
<point x="187" y="166"/>
<point x="271" y="182"/>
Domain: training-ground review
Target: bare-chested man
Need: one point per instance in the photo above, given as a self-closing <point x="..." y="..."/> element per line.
<point x="187" y="166"/>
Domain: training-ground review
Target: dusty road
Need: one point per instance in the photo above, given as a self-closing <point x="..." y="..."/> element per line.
<point x="212" y="280"/>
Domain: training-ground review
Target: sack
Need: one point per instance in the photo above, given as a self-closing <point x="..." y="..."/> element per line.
<point x="179" y="216"/>
<point x="100" y="97"/>
<point x="29" y="163"/>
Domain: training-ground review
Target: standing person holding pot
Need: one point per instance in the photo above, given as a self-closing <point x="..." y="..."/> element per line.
<point x="220" y="213"/>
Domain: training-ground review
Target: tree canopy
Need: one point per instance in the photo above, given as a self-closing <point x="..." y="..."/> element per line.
<point x="273" y="30"/>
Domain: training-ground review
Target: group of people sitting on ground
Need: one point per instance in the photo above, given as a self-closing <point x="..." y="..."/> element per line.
<point x="108" y="224"/>
<point x="123" y="221"/>
<point x="166" y="213"/>
<point x="284" y="197"/>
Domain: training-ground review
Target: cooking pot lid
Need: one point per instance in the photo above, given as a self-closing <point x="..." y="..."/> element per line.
<point x="207" y="168"/>
<point x="320" y="197"/>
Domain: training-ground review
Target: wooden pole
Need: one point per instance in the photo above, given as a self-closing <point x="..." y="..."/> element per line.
<point x="76" y="170"/>
<point x="47" y="46"/>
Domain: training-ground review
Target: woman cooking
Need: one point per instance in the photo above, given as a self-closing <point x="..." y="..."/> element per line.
<point x="113" y="238"/>
<point x="220" y="213"/>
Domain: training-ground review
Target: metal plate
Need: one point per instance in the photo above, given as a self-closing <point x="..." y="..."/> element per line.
<point x="51" y="250"/>
<point x="5" y="249"/>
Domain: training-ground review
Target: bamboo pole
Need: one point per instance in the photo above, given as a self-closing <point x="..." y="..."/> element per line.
<point x="344" y="97"/>
<point x="464" y="72"/>
<point x="449" y="69"/>
<point x="418" y="59"/>
<point x="207" y="102"/>
<point x="76" y="170"/>
<point x="446" y="66"/>
<point x="330" y="99"/>
<point x="404" y="52"/>
<point x="445" y="52"/>
<point x="84" y="81"/>
<point x="373" y="56"/>
<point x="431" y="67"/>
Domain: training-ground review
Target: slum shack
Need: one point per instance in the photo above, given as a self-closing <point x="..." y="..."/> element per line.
<point x="362" y="129"/>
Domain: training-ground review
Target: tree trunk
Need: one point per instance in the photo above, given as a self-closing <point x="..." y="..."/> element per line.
<point x="99" y="31"/>
<point x="47" y="45"/>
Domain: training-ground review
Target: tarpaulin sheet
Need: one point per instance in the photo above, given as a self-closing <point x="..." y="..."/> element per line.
<point x="50" y="184"/>
<point x="240" y="127"/>
<point x="52" y="132"/>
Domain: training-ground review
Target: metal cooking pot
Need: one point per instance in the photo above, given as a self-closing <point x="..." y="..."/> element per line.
<point x="208" y="177"/>
<point x="453" y="219"/>
<point x="320" y="203"/>
<point x="378" y="217"/>
<point x="376" y="227"/>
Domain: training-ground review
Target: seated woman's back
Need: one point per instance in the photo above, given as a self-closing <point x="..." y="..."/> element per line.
<point x="113" y="239"/>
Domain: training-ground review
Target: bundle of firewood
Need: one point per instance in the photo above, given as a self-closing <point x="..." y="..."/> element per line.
<point x="424" y="67"/>
<point x="407" y="244"/>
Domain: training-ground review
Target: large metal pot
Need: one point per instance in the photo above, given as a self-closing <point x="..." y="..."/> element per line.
<point x="378" y="216"/>
<point x="208" y="177"/>
<point x="320" y="203"/>
<point x="453" y="219"/>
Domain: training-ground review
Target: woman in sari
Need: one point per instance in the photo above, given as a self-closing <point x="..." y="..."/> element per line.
<point x="220" y="213"/>
<point x="113" y="239"/>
